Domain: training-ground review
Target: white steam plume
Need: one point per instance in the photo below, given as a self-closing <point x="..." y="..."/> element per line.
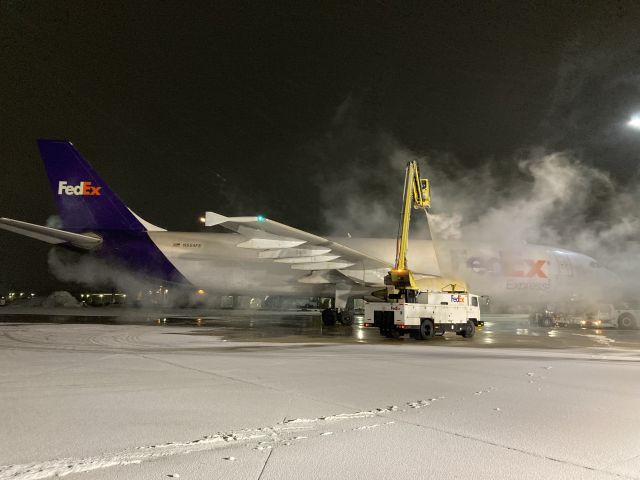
<point x="89" y="271"/>
<point x="552" y="199"/>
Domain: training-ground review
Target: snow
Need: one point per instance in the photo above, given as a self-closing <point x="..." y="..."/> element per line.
<point x="134" y="401"/>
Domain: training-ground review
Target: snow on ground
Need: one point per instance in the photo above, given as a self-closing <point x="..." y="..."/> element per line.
<point x="135" y="401"/>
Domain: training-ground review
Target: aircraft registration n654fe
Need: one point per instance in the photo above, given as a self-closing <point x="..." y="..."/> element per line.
<point x="261" y="256"/>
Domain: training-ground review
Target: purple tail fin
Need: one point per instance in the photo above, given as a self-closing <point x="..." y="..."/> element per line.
<point x="84" y="200"/>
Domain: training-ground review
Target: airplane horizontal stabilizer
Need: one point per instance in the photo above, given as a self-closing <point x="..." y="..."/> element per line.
<point x="50" y="235"/>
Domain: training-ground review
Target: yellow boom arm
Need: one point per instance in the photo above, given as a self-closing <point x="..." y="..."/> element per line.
<point x="416" y="194"/>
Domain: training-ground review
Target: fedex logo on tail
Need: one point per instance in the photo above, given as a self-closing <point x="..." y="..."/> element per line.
<point x="85" y="188"/>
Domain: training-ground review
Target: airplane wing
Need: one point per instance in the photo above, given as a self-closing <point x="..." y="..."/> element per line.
<point x="50" y="235"/>
<point x="321" y="257"/>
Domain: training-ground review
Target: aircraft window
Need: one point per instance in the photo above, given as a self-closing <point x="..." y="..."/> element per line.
<point x="474" y="301"/>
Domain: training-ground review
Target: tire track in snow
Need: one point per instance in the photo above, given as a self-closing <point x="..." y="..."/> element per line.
<point x="282" y="433"/>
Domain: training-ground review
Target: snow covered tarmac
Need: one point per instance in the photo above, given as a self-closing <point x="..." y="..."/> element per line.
<point x="140" y="401"/>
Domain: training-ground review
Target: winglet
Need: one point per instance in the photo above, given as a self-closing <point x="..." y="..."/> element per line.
<point x="212" y="218"/>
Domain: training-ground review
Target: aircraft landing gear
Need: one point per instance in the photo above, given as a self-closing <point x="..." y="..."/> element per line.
<point x="331" y="316"/>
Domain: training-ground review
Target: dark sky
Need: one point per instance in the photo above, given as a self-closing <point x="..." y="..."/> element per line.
<point x="226" y="106"/>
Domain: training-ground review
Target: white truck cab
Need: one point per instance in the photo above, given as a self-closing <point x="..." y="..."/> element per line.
<point x="434" y="313"/>
<point x="622" y="316"/>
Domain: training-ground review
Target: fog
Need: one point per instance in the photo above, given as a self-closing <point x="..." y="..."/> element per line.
<point x="84" y="269"/>
<point x="549" y="198"/>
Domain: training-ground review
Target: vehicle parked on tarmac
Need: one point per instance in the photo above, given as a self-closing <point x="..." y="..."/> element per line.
<point x="624" y="316"/>
<point x="408" y="308"/>
<point x="435" y="313"/>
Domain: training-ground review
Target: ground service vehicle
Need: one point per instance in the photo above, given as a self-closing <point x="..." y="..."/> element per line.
<point x="435" y="313"/>
<point x="623" y="316"/>
<point x="406" y="309"/>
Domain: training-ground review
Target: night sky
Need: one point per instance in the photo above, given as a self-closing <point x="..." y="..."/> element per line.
<point x="247" y="108"/>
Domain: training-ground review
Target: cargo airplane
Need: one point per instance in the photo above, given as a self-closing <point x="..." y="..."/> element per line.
<point x="254" y="255"/>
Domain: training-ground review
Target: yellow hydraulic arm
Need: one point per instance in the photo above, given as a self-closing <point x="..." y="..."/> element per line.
<point x="416" y="194"/>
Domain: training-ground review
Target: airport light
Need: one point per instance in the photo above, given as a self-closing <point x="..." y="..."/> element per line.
<point x="261" y="218"/>
<point x="634" y="122"/>
<point x="203" y="220"/>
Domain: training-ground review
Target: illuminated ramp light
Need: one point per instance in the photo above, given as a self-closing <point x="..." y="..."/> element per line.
<point x="634" y="122"/>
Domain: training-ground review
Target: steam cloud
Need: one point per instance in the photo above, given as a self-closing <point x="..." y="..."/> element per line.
<point x="89" y="271"/>
<point x="550" y="199"/>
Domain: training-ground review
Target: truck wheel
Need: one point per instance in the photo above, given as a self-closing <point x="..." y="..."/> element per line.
<point x="427" y="329"/>
<point x="346" y="319"/>
<point x="329" y="317"/>
<point x="469" y="330"/>
<point x="627" y="322"/>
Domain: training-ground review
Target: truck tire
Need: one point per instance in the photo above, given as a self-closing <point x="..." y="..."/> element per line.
<point x="427" y="329"/>
<point x="329" y="317"/>
<point x="627" y="322"/>
<point x="469" y="330"/>
<point x="346" y="319"/>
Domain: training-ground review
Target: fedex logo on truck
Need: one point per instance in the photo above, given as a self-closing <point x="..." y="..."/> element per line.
<point x="84" y="189"/>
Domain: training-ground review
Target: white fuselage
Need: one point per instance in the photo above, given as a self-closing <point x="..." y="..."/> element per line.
<point x="213" y="261"/>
